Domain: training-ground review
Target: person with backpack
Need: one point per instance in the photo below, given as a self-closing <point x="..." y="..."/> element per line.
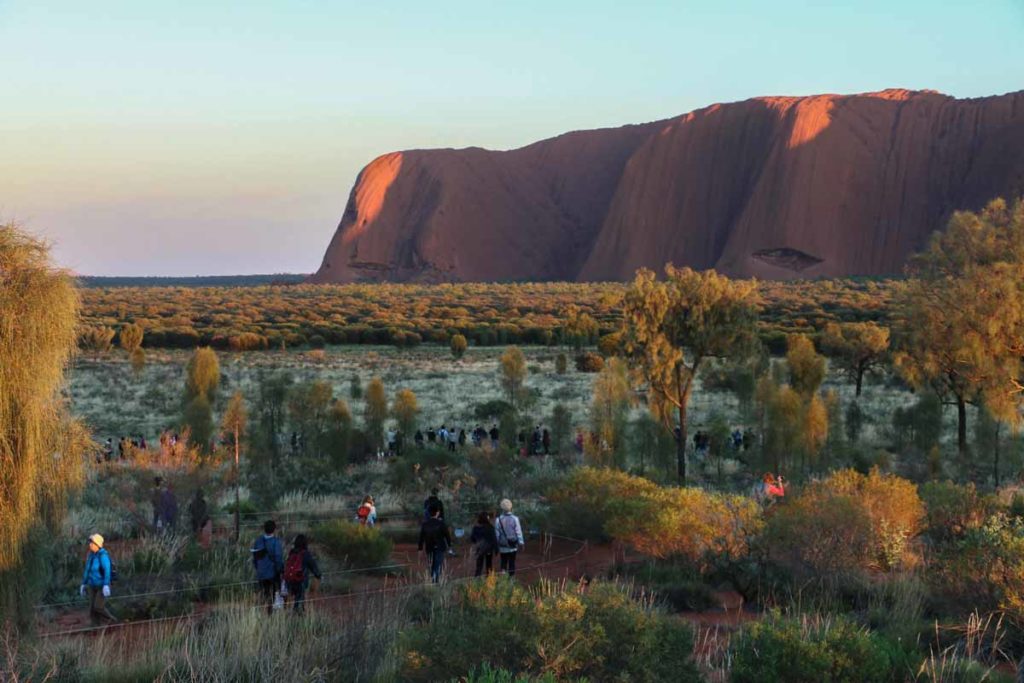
<point x="485" y="543"/>
<point x="96" y="579"/>
<point x="435" y="539"/>
<point x="367" y="512"/>
<point x="268" y="562"/>
<point x="432" y="501"/>
<point x="509" y="533"/>
<point x="297" y="569"/>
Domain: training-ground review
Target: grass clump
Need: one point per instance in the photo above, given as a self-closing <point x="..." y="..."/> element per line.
<point x="354" y="545"/>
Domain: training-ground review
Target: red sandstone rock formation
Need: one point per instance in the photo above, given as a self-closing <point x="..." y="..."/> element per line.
<point x="776" y="187"/>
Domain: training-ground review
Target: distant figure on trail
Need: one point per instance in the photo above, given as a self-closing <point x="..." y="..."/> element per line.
<point x="156" y="496"/>
<point x="433" y="501"/>
<point x="462" y="437"/>
<point x="485" y="543"/>
<point x="96" y="581"/>
<point x="494" y="437"/>
<point x="168" y="508"/>
<point x="737" y="439"/>
<point x="453" y="439"/>
<point x="418" y="438"/>
<point x="392" y="444"/>
<point x="769" y="489"/>
<point x="578" y="443"/>
<point x="436" y="541"/>
<point x="299" y="566"/>
<point x="431" y="435"/>
<point x="197" y="511"/>
<point x="510" y="537"/>
<point x="268" y="562"/>
<point x="545" y="441"/>
<point x="367" y="512"/>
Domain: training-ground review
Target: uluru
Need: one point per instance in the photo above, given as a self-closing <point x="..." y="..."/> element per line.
<point x="772" y="187"/>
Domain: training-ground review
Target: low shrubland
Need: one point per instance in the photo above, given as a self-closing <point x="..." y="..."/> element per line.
<point x="353" y="545"/>
<point x="600" y="633"/>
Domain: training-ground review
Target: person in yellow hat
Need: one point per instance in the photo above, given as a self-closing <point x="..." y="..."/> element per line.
<point x="96" y="581"/>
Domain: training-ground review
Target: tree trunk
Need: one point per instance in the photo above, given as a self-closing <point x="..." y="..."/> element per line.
<point x="681" y="444"/>
<point x="961" y="429"/>
<point x="860" y="380"/>
<point x="238" y="519"/>
<point x="995" y="467"/>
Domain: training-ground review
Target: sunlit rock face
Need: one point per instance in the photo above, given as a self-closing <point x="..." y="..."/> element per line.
<point x="774" y="187"/>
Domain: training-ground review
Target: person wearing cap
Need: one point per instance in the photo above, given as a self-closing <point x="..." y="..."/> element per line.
<point x="510" y="537"/>
<point x="96" y="581"/>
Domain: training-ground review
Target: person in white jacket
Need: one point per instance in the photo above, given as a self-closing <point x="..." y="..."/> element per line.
<point x="510" y="537"/>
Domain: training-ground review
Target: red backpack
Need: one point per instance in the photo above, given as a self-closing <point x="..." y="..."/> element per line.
<point x="293" y="569"/>
<point x="363" y="513"/>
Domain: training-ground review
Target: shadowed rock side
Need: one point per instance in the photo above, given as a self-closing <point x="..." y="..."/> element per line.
<point x="773" y="187"/>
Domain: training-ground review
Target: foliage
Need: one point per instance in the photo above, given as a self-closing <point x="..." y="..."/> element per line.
<point x="609" y="411"/>
<point x="405" y="409"/>
<point x="561" y="364"/>
<point x="971" y="273"/>
<point x="856" y="348"/>
<point x="354" y="545"/>
<point x="847" y="522"/>
<point x="99" y="339"/>
<point x="512" y="374"/>
<point x="458" y="345"/>
<point x="588" y="361"/>
<point x="130" y="337"/>
<point x="660" y="522"/>
<point x="579" y="327"/>
<point x="203" y="375"/>
<point x="806" y="366"/>
<point x="41" y="447"/>
<point x="375" y="411"/>
<point x="811" y="650"/>
<point x="601" y="634"/>
<point x="670" y="328"/>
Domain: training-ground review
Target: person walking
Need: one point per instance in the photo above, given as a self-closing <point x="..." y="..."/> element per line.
<point x="367" y="512"/>
<point x="494" y="434"/>
<point x="435" y="540"/>
<point x="156" y="496"/>
<point x="510" y="537"/>
<point x="432" y="501"/>
<point x="169" y="508"/>
<point x="485" y="543"/>
<point x="96" y="581"/>
<point x="300" y="565"/>
<point x="268" y="562"/>
<point x="197" y="511"/>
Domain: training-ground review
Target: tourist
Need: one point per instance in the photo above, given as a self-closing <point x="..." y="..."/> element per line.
<point x="96" y="581"/>
<point x="418" y="438"/>
<point x="432" y="501"/>
<point x="436" y="541"/>
<point x="367" y="512"/>
<point x="494" y="437"/>
<point x="156" y="495"/>
<point x="545" y="441"/>
<point x="168" y="508"/>
<point x="197" y="511"/>
<point x="268" y="562"/>
<point x="510" y="537"/>
<point x="297" y="569"/>
<point x="485" y="543"/>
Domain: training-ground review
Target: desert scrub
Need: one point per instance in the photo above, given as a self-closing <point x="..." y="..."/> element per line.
<point x="601" y="633"/>
<point x="353" y="545"/>
<point x="847" y="522"/>
<point x="677" y="583"/>
<point x="811" y="649"/>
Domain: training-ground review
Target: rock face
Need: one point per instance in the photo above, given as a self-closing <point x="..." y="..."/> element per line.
<point x="776" y="187"/>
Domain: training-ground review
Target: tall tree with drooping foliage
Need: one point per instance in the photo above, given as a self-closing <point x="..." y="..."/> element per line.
<point x="672" y="327"/>
<point x="960" y="320"/>
<point x="856" y="348"/>
<point x="41" y="447"/>
<point x="375" y="411"/>
<point x="201" y="382"/>
<point x="405" y="409"/>
<point x="513" y="374"/>
<point x="233" y="424"/>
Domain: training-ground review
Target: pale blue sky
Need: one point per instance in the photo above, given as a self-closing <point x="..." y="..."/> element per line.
<point x="209" y="137"/>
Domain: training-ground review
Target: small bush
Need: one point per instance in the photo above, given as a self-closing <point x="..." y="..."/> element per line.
<point x="589" y="361"/>
<point x="602" y="634"/>
<point x="810" y="650"/>
<point x="952" y="509"/>
<point x="354" y="545"/>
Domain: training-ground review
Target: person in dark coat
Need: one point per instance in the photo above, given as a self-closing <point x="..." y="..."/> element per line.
<point x="268" y="562"/>
<point x="484" y="538"/>
<point x="197" y="511"/>
<point x="435" y="540"/>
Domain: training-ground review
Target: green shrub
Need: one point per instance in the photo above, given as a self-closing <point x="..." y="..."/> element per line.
<point x="952" y="509"/>
<point x="678" y="583"/>
<point x="810" y="650"/>
<point x="601" y="633"/>
<point x="490" y="410"/>
<point x="354" y="545"/>
<point x="488" y="675"/>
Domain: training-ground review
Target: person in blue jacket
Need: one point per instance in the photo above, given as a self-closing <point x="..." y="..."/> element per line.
<point x="96" y="581"/>
<point x="268" y="561"/>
